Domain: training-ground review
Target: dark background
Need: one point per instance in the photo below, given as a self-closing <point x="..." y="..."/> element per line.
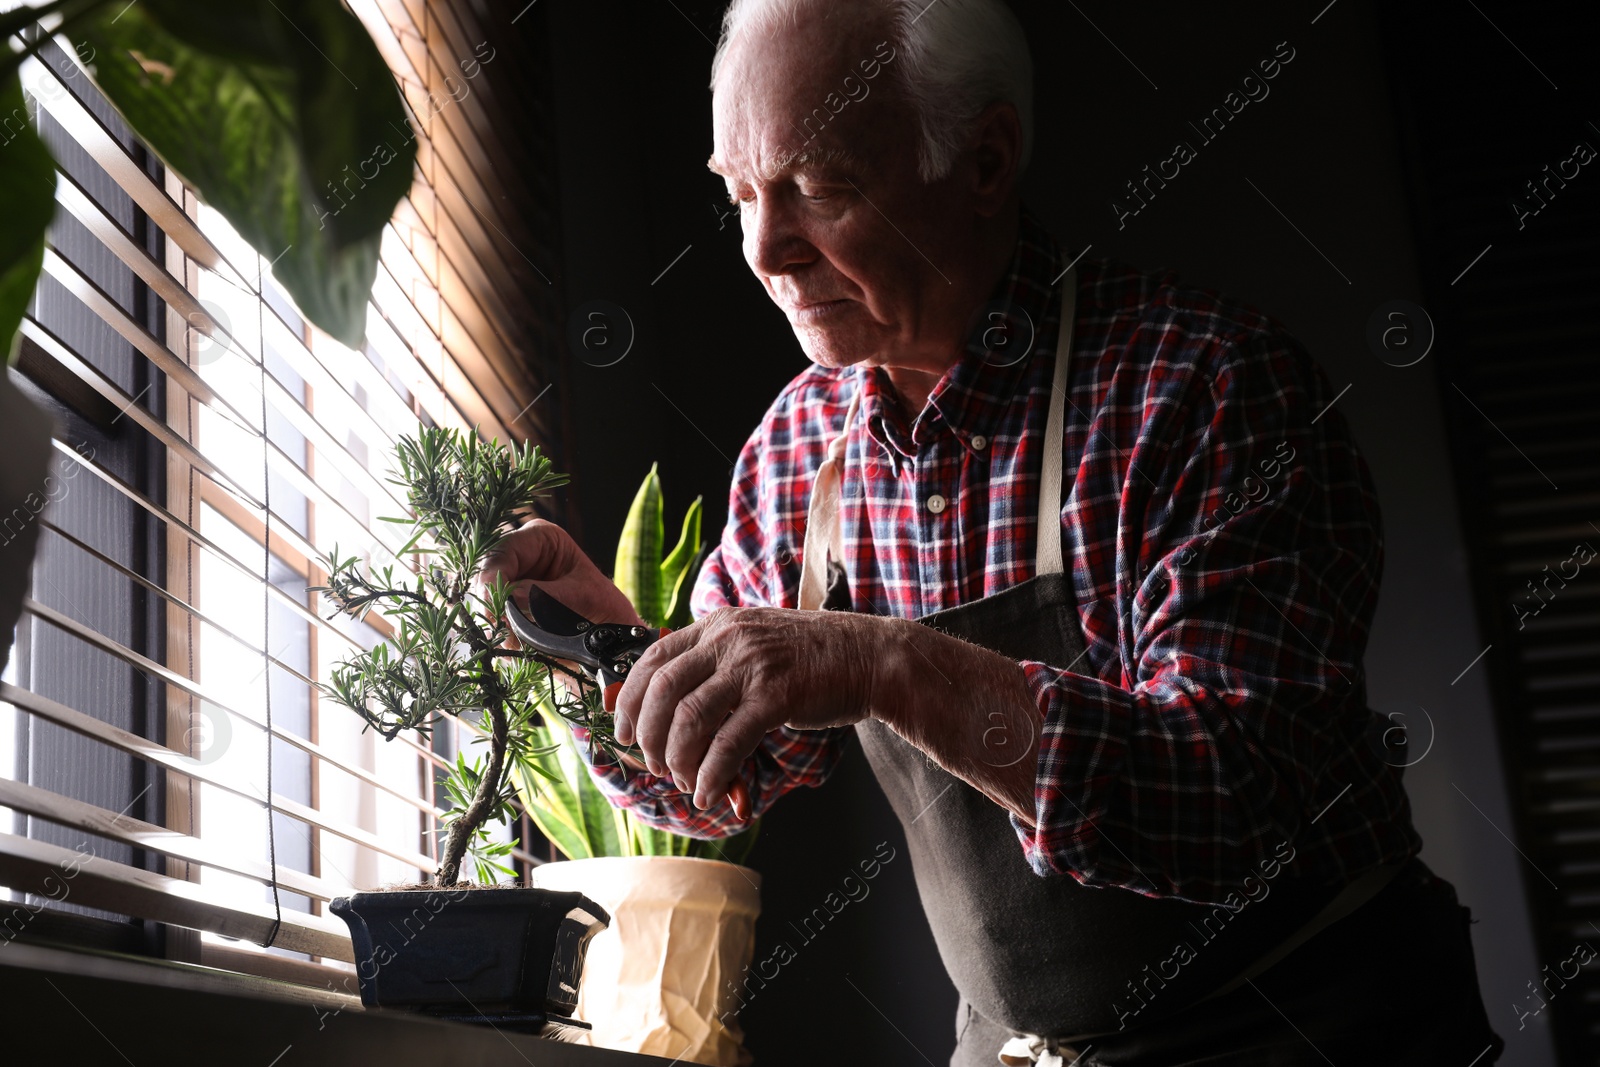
<point x="1318" y="204"/>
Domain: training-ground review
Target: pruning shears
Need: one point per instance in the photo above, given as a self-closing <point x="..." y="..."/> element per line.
<point x="608" y="649"/>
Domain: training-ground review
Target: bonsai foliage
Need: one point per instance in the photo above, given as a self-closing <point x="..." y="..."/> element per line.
<point x="282" y="115"/>
<point x="448" y="654"/>
<point x="552" y="776"/>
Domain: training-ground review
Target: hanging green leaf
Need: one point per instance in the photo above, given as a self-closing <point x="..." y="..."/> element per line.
<point x="638" y="568"/>
<point x="27" y="189"/>
<point x="284" y="117"/>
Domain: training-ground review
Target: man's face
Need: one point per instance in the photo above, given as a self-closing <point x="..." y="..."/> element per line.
<point x="822" y="161"/>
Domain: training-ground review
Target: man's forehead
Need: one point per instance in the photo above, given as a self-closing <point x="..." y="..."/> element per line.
<point x="786" y="161"/>
<point x="776" y="89"/>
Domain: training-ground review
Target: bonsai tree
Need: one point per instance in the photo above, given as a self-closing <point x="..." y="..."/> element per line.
<point x="448" y="656"/>
<point x="552" y="777"/>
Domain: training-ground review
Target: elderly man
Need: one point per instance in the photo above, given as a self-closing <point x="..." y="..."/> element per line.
<point x="1103" y="560"/>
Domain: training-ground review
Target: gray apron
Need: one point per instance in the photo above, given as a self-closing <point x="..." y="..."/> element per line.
<point x="1046" y="960"/>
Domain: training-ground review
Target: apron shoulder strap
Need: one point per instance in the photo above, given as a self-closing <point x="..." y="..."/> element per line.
<point x="824" y="534"/>
<point x="1048" y="554"/>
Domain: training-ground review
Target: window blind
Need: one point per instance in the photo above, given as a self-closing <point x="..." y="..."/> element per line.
<point x="1515" y="364"/>
<point x="164" y="753"/>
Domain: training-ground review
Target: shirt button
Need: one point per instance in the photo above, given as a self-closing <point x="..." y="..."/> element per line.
<point x="936" y="503"/>
<point x="979" y="442"/>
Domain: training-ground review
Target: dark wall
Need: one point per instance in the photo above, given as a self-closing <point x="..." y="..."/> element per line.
<point x="1298" y="206"/>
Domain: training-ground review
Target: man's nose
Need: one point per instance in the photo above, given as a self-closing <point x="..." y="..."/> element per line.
<point x="773" y="242"/>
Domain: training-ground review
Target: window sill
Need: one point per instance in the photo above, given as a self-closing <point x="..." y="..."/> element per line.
<point x="143" y="1011"/>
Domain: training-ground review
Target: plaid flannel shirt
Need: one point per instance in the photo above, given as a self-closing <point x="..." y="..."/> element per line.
<point x="1223" y="539"/>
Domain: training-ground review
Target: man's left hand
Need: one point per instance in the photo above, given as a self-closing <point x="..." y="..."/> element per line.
<point x="700" y="700"/>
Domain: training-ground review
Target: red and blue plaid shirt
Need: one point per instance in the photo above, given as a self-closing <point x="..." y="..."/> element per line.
<point x="1223" y="538"/>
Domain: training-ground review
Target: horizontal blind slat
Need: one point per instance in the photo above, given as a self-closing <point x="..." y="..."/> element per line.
<point x="159" y="512"/>
<point x="134" y="745"/>
<point x="189" y="308"/>
<point x="85" y="127"/>
<point x="50" y="345"/>
<point x="65" y="811"/>
<point x="92" y="136"/>
<point x="279" y="461"/>
<point x="39" y="868"/>
<point x="79" y="285"/>
<point x="92" y="636"/>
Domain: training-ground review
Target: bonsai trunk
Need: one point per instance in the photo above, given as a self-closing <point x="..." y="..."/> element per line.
<point x="483" y="802"/>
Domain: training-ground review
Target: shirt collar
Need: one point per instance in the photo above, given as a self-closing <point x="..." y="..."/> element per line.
<point x="976" y="389"/>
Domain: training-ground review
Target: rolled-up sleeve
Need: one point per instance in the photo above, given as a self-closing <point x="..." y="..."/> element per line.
<point x="1247" y="574"/>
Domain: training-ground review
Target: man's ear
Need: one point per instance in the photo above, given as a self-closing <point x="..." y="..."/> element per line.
<point x="995" y="153"/>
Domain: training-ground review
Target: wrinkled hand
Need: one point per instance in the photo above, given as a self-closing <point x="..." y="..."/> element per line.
<point x="547" y="555"/>
<point x="700" y="700"/>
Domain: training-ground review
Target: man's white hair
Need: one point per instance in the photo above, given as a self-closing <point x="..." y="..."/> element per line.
<point x="954" y="58"/>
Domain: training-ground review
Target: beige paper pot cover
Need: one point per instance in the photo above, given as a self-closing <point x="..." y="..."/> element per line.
<point x="663" y="978"/>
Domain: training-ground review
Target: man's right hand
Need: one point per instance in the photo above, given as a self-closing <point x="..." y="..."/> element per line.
<point x="545" y="554"/>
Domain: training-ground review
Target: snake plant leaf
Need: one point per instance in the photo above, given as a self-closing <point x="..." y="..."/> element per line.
<point x="638" y="568"/>
<point x="653" y="842"/>
<point x="284" y="117"/>
<point x="594" y="812"/>
<point x="28" y="191"/>
<point x="553" y="810"/>
<point x="735" y="849"/>
<point x="599" y="818"/>
<point x="688" y="544"/>
<point x="678" y="614"/>
<point x="680" y="567"/>
<point x="553" y="804"/>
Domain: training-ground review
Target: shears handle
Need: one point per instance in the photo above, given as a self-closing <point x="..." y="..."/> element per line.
<point x="610" y="678"/>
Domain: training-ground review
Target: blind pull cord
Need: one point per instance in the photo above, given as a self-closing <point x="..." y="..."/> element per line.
<point x="266" y="638"/>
